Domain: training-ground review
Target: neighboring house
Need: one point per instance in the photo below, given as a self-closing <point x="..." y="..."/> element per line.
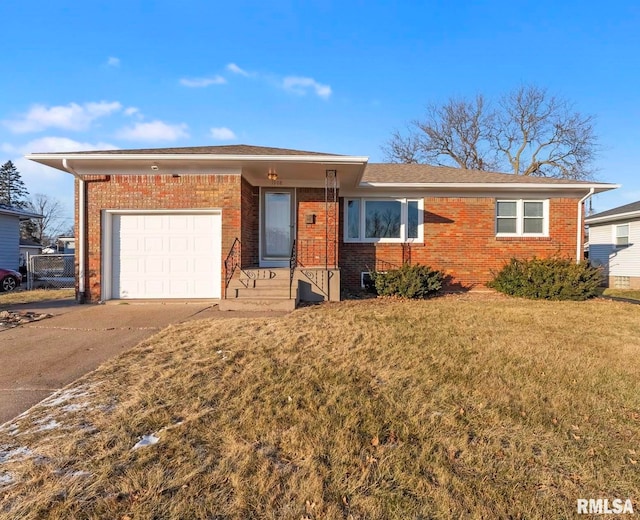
<point x="66" y="245"/>
<point x="10" y="219"/>
<point x="614" y="244"/>
<point x="28" y="248"/>
<point x="229" y="221"/>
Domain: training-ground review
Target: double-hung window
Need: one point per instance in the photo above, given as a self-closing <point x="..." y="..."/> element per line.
<point x="622" y="235"/>
<point x="383" y="220"/>
<point x="521" y="217"/>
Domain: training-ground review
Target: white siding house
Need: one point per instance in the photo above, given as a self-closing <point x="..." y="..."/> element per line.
<point x="10" y="235"/>
<point x="614" y="244"/>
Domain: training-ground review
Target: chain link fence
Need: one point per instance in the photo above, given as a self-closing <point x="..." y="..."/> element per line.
<point x="51" y="272"/>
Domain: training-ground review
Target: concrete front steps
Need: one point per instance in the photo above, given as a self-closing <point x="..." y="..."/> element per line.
<point x="263" y="289"/>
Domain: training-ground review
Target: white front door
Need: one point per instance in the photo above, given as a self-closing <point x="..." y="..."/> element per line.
<point x="278" y="227"/>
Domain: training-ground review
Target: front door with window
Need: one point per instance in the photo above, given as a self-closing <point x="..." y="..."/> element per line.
<point x="278" y="227"/>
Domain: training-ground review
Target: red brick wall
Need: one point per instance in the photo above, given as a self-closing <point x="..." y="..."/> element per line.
<point x="459" y="239"/>
<point x="156" y="192"/>
<point x="313" y="238"/>
<point x="250" y="224"/>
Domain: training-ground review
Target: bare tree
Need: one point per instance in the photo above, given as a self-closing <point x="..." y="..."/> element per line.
<point x="51" y="224"/>
<point x="540" y="134"/>
<point x="528" y="132"/>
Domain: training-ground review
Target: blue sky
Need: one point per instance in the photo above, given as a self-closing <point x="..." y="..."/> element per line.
<point x="328" y="76"/>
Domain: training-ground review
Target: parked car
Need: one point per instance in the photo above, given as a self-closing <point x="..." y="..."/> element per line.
<point x="9" y="279"/>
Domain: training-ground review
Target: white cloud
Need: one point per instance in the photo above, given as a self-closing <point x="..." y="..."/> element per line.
<point x="42" y="179"/>
<point x="112" y="61"/>
<point x="232" y="67"/>
<point x="154" y="131"/>
<point x="67" y="117"/>
<point x="222" y="133"/>
<point x="301" y="85"/>
<point x="202" y="82"/>
<point x="62" y="144"/>
<point x="132" y="111"/>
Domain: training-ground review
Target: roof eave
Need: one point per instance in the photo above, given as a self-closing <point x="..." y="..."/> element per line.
<point x="334" y="159"/>
<point x="22" y="215"/>
<point x="612" y="218"/>
<point x="598" y="187"/>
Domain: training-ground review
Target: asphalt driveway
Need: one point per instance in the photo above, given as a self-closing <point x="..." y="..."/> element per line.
<point x="38" y="358"/>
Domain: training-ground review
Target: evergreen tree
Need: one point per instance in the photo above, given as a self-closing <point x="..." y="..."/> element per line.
<point x="13" y="192"/>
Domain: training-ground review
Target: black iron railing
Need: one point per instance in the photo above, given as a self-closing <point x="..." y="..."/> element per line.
<point x="293" y="263"/>
<point x="231" y="263"/>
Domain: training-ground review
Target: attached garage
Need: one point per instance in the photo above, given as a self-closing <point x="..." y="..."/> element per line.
<point x="162" y="255"/>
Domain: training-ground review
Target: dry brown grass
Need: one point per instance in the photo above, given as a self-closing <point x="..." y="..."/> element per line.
<point x="456" y="407"/>
<point x="630" y="294"/>
<point x="37" y="295"/>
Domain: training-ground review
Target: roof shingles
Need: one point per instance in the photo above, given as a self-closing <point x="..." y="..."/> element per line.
<point x="627" y="208"/>
<point x="427" y="174"/>
<point x="233" y="149"/>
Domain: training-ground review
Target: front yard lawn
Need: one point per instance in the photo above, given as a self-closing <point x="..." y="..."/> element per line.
<point x="456" y="407"/>
<point x="629" y="294"/>
<point x="20" y="296"/>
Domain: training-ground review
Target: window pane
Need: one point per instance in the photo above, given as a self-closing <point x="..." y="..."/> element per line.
<point x="533" y="209"/>
<point x="506" y="225"/>
<point x="532" y="225"/>
<point x="507" y="209"/>
<point x="622" y="231"/>
<point x="622" y="235"/>
<point x="353" y="219"/>
<point x="382" y="218"/>
<point x="412" y="223"/>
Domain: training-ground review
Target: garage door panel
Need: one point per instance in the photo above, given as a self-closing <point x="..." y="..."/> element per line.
<point x="180" y="223"/>
<point x="166" y="256"/>
<point x="151" y="223"/>
<point x="181" y="243"/>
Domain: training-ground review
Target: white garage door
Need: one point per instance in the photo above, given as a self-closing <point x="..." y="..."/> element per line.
<point x="166" y="256"/>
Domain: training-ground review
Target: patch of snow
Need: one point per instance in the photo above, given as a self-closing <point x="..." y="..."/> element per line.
<point x="8" y="455"/>
<point x="10" y="429"/>
<point x="74" y="407"/>
<point x="73" y="474"/>
<point x="6" y="479"/>
<point x="62" y="396"/>
<point x="81" y="473"/>
<point x="51" y="425"/>
<point x="146" y="440"/>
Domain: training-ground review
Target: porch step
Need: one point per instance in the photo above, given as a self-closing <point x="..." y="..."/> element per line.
<point x="261" y="289"/>
<point x="262" y="304"/>
<point x="244" y="283"/>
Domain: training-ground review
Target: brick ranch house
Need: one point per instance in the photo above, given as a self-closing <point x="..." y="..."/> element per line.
<point x="271" y="226"/>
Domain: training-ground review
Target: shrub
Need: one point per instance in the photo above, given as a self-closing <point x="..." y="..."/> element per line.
<point x="409" y="281"/>
<point x="548" y="278"/>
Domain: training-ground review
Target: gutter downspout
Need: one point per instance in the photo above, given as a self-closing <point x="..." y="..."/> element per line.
<point x="579" y="251"/>
<point x="81" y="230"/>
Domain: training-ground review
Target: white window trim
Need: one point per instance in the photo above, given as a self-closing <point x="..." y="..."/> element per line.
<point x="615" y="235"/>
<point x="520" y="218"/>
<point x="404" y="220"/>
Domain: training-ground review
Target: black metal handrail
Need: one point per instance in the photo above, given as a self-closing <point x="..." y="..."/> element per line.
<point x="231" y="263"/>
<point x="293" y="263"/>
